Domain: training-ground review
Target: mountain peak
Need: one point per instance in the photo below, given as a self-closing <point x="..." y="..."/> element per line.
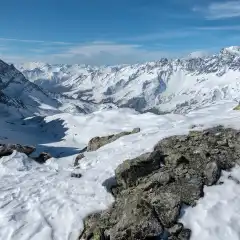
<point x="198" y="54"/>
<point x="33" y="65"/>
<point x="233" y="50"/>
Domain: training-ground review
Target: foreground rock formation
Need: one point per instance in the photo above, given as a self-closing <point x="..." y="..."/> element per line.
<point x="152" y="189"/>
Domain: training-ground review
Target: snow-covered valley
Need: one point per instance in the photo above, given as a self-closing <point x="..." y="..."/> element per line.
<point x="64" y="106"/>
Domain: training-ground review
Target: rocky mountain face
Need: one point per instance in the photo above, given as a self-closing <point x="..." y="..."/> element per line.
<point x="19" y="93"/>
<point x="176" y="85"/>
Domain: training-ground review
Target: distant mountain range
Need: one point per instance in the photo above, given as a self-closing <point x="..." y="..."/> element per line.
<point x="166" y="85"/>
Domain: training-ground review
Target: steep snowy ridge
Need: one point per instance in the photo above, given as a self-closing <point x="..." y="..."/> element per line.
<point x="28" y="98"/>
<point x="168" y="85"/>
<point x="17" y="92"/>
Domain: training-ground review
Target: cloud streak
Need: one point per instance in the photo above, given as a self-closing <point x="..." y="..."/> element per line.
<point x="163" y="35"/>
<point x="107" y="53"/>
<point x="96" y="53"/>
<point x="220" y="10"/>
<point x="33" y="41"/>
<point x="220" y="28"/>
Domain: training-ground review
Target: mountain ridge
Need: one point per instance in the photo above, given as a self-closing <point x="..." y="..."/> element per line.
<point x="167" y="85"/>
<point x="19" y="93"/>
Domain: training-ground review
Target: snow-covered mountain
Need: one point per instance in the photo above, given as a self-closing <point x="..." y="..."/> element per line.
<point x="21" y="95"/>
<point x="18" y="95"/>
<point x="165" y="85"/>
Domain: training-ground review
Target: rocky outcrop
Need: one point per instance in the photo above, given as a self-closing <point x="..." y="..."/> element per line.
<point x="97" y="142"/>
<point x="152" y="189"/>
<point x="43" y="157"/>
<point x="77" y="159"/>
<point x="7" y="149"/>
<point x="76" y="175"/>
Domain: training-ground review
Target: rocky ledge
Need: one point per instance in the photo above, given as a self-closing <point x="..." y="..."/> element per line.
<point x="8" y="149"/>
<point x="152" y="189"/>
<point x="97" y="142"/>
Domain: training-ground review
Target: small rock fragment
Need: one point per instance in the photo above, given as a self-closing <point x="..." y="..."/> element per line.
<point x="43" y="157"/>
<point x="76" y="175"/>
<point x="176" y="229"/>
<point x="212" y="173"/>
<point x="78" y="158"/>
<point x="185" y="234"/>
<point x="136" y="130"/>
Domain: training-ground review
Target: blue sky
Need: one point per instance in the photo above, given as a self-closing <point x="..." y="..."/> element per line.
<point x="103" y="32"/>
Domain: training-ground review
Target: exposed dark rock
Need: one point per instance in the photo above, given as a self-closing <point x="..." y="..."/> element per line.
<point x="7" y="149"/>
<point x="185" y="234"/>
<point x="135" y="130"/>
<point x="230" y="177"/>
<point x="167" y="207"/>
<point x="78" y="158"/>
<point x="76" y="175"/>
<point x="212" y="173"/>
<point x="175" y="230"/>
<point x="130" y="171"/>
<point x="97" y="142"/>
<point x="43" y="157"/>
<point x="151" y="189"/>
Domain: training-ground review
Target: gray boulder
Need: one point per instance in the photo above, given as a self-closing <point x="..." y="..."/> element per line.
<point x="76" y="175"/>
<point x="167" y="207"/>
<point x="97" y="142"/>
<point x="212" y="173"/>
<point x="77" y="159"/>
<point x="7" y="149"/>
<point x="43" y="157"/>
<point x="130" y="171"/>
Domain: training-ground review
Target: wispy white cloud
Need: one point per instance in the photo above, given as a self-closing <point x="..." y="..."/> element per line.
<point x="105" y="53"/>
<point x="95" y="53"/>
<point x="102" y="53"/>
<point x="13" y="58"/>
<point x="199" y="54"/>
<point x="220" y="28"/>
<point x="33" y="41"/>
<point x="221" y="10"/>
<point x="160" y="35"/>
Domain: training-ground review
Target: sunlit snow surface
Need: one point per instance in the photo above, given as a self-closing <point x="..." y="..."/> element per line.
<point x="43" y="202"/>
<point x="217" y="215"/>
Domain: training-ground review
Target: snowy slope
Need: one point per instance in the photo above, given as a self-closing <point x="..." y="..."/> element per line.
<point x="170" y="85"/>
<point x="43" y="202"/>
